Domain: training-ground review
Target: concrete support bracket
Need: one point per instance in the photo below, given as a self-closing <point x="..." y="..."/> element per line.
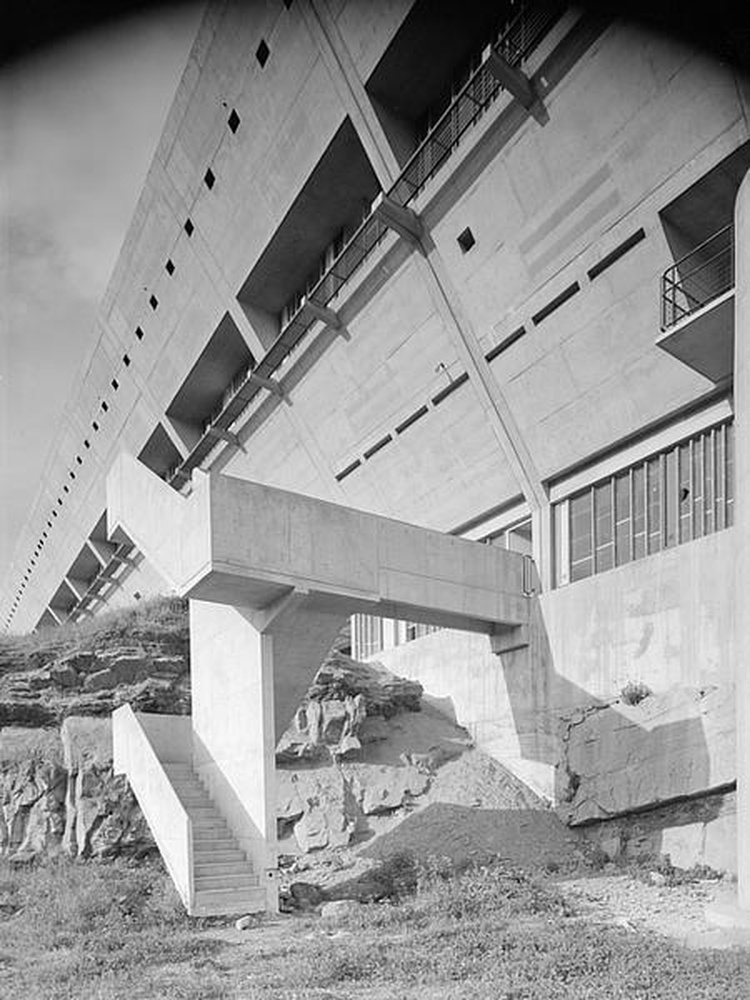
<point x="225" y="435"/>
<point x="509" y="638"/>
<point x="517" y="83"/>
<point x="266" y="383"/>
<point x="322" y="313"/>
<point x="402" y="220"/>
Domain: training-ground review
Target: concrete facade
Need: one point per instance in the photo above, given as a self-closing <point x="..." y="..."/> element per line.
<point x="498" y="336"/>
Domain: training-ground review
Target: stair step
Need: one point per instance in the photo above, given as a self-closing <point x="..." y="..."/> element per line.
<point x="239" y="867"/>
<point x="219" y="857"/>
<point x="206" y="844"/>
<point x="233" y="882"/>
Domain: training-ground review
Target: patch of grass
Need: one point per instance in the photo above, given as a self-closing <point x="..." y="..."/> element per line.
<point x="484" y="932"/>
<point x="163" y="620"/>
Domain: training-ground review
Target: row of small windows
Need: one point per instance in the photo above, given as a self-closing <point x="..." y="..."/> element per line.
<point x="679" y="494"/>
<point x="233" y="122"/>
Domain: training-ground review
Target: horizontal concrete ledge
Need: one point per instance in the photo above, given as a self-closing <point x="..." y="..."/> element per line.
<point x="248" y="545"/>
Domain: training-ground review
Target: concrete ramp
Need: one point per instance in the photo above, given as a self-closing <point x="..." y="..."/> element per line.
<point x="272" y="577"/>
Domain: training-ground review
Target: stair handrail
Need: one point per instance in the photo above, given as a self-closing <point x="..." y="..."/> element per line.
<point x="156" y="797"/>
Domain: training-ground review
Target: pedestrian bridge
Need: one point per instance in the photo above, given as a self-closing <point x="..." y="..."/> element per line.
<point x="272" y="576"/>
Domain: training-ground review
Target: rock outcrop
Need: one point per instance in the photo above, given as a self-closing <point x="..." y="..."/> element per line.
<point x="621" y="758"/>
<point x="58" y="793"/>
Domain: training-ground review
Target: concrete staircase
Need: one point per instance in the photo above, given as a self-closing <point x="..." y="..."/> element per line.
<point x="223" y="878"/>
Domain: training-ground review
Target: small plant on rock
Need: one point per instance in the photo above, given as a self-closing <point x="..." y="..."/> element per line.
<point x="635" y="692"/>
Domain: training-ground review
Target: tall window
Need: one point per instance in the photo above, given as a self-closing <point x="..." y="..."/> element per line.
<point x="681" y="493"/>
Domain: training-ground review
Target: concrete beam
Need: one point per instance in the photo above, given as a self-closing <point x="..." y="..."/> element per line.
<point x="102" y="549"/>
<point x="402" y="220"/>
<point x="240" y="543"/>
<point x="79" y="587"/>
<point x="516" y="82"/>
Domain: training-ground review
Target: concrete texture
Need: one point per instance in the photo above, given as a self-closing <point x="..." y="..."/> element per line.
<point x="272" y="577"/>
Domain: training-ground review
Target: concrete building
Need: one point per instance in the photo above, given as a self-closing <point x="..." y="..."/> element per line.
<point x="474" y="273"/>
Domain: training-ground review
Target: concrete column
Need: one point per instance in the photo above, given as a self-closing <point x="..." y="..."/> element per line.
<point x="231" y="670"/>
<point x="742" y="535"/>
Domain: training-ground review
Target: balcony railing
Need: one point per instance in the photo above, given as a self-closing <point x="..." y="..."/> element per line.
<point x="515" y="43"/>
<point x="698" y="278"/>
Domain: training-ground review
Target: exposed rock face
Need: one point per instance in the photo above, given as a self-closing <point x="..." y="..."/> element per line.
<point x="58" y="793"/>
<point x="345" y="694"/>
<point x="621" y="758"/>
<point x="95" y="682"/>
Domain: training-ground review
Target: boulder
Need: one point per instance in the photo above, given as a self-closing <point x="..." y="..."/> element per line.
<point x="64" y="675"/>
<point x="389" y="788"/>
<point x="319" y="805"/>
<point x="82" y="661"/>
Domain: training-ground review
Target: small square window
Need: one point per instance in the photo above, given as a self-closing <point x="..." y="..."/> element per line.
<point x="115" y="384"/>
<point x="105" y="405"/>
<point x="466" y="240"/>
<point x="125" y="360"/>
<point x="72" y="475"/>
<point x="79" y="460"/>
<point x="54" y="512"/>
<point x="86" y="443"/>
<point x="169" y="268"/>
<point x="209" y="179"/>
<point x="95" y="425"/>
<point x="233" y="121"/>
<point x="262" y="53"/>
<point x="189" y="227"/>
<point x="65" y="489"/>
<point x="139" y="333"/>
<point x="154" y="302"/>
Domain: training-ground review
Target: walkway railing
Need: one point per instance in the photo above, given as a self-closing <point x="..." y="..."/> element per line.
<point x="698" y="278"/>
<point x="515" y="43"/>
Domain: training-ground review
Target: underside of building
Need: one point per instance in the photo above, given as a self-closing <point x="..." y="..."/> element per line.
<point x="448" y="302"/>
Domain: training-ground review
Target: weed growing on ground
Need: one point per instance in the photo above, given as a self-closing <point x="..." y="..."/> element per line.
<point x="485" y="931"/>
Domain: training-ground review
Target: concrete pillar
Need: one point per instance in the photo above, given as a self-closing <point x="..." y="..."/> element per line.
<point x="742" y="534"/>
<point x="231" y="671"/>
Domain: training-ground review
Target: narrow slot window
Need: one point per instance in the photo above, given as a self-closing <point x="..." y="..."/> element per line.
<point x="233" y="121"/>
<point x="189" y="227"/>
<point x="169" y="268"/>
<point x="262" y="53"/>
<point x="209" y="179"/>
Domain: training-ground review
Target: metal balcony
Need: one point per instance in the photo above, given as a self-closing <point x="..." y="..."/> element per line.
<point x="698" y="278"/>
<point x="697" y="307"/>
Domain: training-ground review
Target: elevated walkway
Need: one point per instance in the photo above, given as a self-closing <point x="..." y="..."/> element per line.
<point x="272" y="577"/>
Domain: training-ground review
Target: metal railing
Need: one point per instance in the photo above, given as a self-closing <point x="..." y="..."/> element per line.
<point x="514" y="43"/>
<point x="698" y="278"/>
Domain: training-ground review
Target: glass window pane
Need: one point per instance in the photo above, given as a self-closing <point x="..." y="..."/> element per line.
<point x="622" y="518"/>
<point x="685" y="506"/>
<point x="581" y="537"/>
<point x="603" y="526"/>
<point x="671" y="498"/>
<point x="708" y="483"/>
<point x="654" y="504"/>
<point x="697" y="488"/>
<point x="729" y="474"/>
<point x="639" y="512"/>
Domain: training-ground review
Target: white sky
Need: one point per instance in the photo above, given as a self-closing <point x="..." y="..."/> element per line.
<point x="79" y="124"/>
